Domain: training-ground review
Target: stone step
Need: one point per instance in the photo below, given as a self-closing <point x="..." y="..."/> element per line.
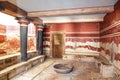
<point x="14" y="70"/>
<point x="32" y="73"/>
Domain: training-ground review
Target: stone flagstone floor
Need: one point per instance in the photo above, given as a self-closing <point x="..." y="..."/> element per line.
<point x="82" y="71"/>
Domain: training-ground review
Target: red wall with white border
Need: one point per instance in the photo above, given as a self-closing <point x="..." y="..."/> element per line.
<point x="79" y="37"/>
<point x="110" y="36"/>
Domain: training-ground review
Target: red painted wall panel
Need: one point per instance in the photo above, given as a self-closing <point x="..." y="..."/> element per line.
<point x="110" y="35"/>
<point x="10" y="40"/>
<point x="75" y="27"/>
<point x="75" y="33"/>
<point x="82" y="35"/>
<point x="112" y="17"/>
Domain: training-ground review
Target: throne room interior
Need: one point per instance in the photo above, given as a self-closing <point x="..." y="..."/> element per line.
<point x="37" y="35"/>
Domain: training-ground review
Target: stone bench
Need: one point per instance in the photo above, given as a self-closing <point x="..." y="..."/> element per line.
<point x="78" y="55"/>
<point x="101" y="60"/>
<point x="9" y="60"/>
<point x="9" y="72"/>
<point x="106" y="68"/>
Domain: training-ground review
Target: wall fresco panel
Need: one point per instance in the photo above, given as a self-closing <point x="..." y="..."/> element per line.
<point x="110" y="36"/>
<point x="79" y="37"/>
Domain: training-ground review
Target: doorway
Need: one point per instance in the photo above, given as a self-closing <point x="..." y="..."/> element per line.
<point x="57" y="44"/>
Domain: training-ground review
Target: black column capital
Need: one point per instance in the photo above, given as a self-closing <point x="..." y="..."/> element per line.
<point x="23" y="21"/>
<point x="39" y="27"/>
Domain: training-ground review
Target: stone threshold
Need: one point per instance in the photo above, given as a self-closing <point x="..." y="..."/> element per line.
<point x="14" y="70"/>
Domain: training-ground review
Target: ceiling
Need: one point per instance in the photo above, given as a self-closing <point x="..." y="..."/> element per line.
<point x="46" y="5"/>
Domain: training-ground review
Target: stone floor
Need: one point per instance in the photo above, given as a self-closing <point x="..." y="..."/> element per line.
<point x="82" y="71"/>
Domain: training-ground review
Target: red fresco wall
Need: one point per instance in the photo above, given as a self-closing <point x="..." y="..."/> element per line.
<point x="75" y="33"/>
<point x="10" y="39"/>
<point x="75" y="27"/>
<point x="110" y="36"/>
<point x="2" y="38"/>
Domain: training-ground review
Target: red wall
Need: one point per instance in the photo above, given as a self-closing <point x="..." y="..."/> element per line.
<point x="2" y="38"/>
<point x="110" y="35"/>
<point x="75" y="33"/>
<point x="75" y="27"/>
<point x="92" y="28"/>
<point x="10" y="40"/>
<point x="112" y="17"/>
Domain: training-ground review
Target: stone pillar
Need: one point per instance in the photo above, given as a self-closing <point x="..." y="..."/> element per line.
<point x="39" y="39"/>
<point x="23" y="37"/>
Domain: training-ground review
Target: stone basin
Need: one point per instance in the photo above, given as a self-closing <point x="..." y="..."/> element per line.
<point x="63" y="68"/>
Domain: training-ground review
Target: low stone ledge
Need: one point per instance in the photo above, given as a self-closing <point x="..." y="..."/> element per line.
<point x="9" y="60"/>
<point x="12" y="71"/>
<point x="79" y="55"/>
<point x="33" y="74"/>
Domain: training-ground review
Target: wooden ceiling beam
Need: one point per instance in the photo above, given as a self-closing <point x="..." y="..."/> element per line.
<point x="37" y="20"/>
<point x="74" y="20"/>
<point x="75" y="11"/>
<point x="11" y="9"/>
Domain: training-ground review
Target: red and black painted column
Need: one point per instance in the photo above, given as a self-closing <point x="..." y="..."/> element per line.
<point x="40" y="39"/>
<point x="23" y="37"/>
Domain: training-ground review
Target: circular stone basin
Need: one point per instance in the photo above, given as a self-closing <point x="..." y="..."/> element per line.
<point x="63" y="68"/>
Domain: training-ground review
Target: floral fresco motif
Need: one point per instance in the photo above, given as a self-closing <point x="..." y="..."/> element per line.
<point x="10" y="40"/>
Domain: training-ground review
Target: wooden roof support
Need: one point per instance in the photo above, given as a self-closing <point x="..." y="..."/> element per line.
<point x="74" y="20"/>
<point x="36" y="20"/>
<point x="11" y="9"/>
<point x="74" y="11"/>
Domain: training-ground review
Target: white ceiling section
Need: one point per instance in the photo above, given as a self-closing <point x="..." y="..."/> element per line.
<point x="43" y="5"/>
<point x="74" y="18"/>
